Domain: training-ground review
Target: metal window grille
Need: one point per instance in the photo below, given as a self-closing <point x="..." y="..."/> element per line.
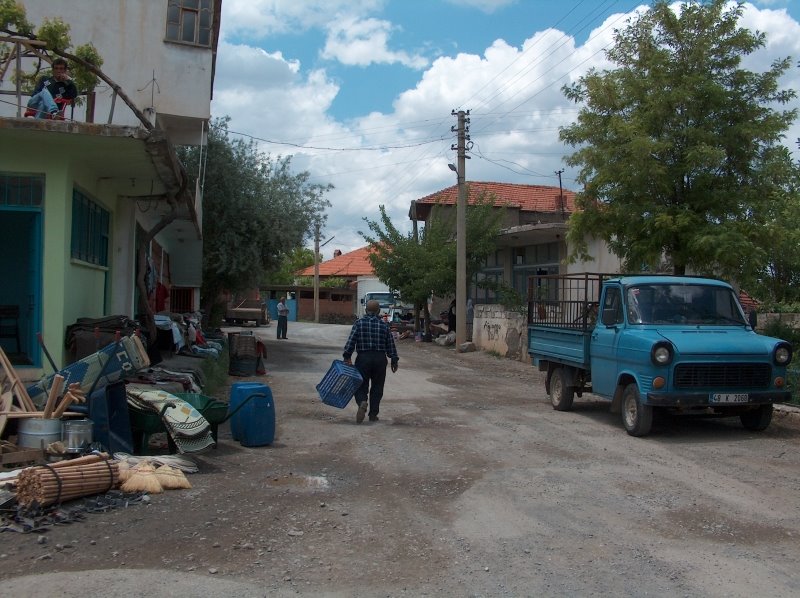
<point x="190" y="21"/>
<point x="90" y="230"/>
<point x="21" y="190"/>
<point x="180" y="300"/>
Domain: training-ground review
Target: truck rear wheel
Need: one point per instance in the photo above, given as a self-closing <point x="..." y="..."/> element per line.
<point x="561" y="391"/>
<point x="757" y="419"/>
<point x="637" y="418"/>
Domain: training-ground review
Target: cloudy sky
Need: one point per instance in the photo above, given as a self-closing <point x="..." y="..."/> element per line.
<point x="360" y="92"/>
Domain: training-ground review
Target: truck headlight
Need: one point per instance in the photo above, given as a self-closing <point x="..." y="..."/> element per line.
<point x="782" y="354"/>
<point x="661" y="353"/>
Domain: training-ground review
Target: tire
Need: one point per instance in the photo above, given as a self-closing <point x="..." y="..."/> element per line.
<point x="637" y="418"/>
<point x="561" y="391"/>
<point x="758" y="419"/>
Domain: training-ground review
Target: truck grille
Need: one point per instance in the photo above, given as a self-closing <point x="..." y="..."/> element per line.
<point x="723" y="375"/>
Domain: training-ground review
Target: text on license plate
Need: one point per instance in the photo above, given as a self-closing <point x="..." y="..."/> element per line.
<point x="725" y="397"/>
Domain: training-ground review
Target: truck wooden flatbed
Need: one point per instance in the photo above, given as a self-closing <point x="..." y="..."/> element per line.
<point x="248" y="310"/>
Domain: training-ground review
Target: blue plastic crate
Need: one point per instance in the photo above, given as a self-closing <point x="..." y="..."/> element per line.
<point x="339" y="384"/>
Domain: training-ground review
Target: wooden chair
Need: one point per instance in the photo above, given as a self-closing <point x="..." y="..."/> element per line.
<point x="9" y="323"/>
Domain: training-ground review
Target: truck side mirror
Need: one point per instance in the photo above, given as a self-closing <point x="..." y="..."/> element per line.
<point x="362" y="301"/>
<point x="752" y="317"/>
<point x="609" y="316"/>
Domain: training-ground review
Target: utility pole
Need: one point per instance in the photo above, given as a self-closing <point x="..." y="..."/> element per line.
<point x="561" y="194"/>
<point x="316" y="273"/>
<point x="461" y="228"/>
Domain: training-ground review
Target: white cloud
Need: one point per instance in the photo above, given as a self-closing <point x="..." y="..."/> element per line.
<point x="487" y="6"/>
<point x="259" y="19"/>
<point x="361" y="42"/>
<point x="514" y="94"/>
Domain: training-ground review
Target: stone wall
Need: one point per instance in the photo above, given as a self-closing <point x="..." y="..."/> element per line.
<point x="500" y="331"/>
<point x="791" y="320"/>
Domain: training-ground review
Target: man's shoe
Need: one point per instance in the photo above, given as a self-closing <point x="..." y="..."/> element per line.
<point x="29" y="112"/>
<point x="373" y="418"/>
<point x="56" y="116"/>
<point x="362" y="411"/>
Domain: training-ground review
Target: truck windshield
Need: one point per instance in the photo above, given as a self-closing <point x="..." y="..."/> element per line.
<point x="385" y="299"/>
<point x="683" y="304"/>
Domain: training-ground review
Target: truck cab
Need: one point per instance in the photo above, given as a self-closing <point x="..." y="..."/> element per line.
<point x="664" y="342"/>
<point x="391" y="306"/>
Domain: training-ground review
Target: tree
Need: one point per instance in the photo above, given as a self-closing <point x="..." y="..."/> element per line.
<point x="674" y="143"/>
<point x="293" y="261"/>
<point x="418" y="267"/>
<point x="255" y="211"/>
<point x="777" y="277"/>
<point x="54" y="35"/>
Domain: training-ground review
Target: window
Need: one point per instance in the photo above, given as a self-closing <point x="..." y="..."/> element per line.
<point x="180" y="300"/>
<point x="90" y="225"/>
<point x="613" y="302"/>
<point x="21" y="190"/>
<point x="190" y="21"/>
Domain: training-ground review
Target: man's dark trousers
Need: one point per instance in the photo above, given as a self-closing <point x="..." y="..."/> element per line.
<point x="283" y="324"/>
<point x="372" y="366"/>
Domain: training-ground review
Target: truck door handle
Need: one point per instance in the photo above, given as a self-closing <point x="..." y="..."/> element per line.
<point x="594" y="336"/>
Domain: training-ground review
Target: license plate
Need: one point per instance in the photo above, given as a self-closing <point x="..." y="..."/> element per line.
<point x="730" y="397"/>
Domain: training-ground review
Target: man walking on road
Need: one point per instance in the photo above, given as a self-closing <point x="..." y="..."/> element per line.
<point x="283" y="318"/>
<point x="371" y="338"/>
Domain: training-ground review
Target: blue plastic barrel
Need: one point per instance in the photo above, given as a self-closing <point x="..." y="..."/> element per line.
<point x="254" y="423"/>
<point x="239" y="392"/>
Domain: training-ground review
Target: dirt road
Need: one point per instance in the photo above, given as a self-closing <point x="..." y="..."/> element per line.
<point x="470" y="485"/>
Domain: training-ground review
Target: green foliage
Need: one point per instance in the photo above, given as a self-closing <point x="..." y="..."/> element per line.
<point x="55" y="33"/>
<point x="781" y="330"/>
<point x="13" y="18"/>
<point x="792" y="307"/>
<point x="255" y="210"/>
<point x="333" y="283"/>
<point x="776" y="278"/>
<point x="298" y="258"/>
<point x="507" y="296"/>
<point x="216" y="375"/>
<point x="85" y="80"/>
<point x="325" y="283"/>
<point x="335" y="319"/>
<point x="678" y="147"/>
<point x="417" y="268"/>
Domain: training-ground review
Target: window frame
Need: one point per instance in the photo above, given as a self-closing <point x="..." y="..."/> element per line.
<point x="90" y="231"/>
<point x="18" y="190"/>
<point x="178" y="22"/>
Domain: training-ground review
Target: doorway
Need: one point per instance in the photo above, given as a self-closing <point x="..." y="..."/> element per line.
<point x="20" y="291"/>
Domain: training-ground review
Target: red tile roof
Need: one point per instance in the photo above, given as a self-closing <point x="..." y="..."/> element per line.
<point x="748" y="302"/>
<point x="528" y="198"/>
<point x="347" y="265"/>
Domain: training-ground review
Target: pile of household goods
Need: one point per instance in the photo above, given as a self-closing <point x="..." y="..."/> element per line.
<point x="111" y="399"/>
<point x="32" y="496"/>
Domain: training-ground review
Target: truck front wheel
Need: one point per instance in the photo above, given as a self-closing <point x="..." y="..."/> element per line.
<point x="561" y="391"/>
<point x="757" y="419"/>
<point x="637" y="418"/>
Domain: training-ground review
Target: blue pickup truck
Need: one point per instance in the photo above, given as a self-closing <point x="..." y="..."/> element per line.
<point x="654" y="342"/>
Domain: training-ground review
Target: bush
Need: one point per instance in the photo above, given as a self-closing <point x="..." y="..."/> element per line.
<point x="791" y="335"/>
<point x="216" y="372"/>
<point x="336" y="319"/>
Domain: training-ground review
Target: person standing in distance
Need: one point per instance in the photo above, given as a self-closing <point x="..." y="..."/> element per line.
<point x="283" y="318"/>
<point x="371" y="338"/>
